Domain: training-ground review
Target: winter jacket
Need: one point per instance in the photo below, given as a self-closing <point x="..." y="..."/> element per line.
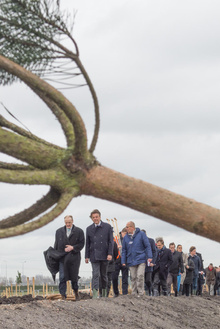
<point x="99" y="242"/>
<point x="177" y="265"/>
<point x="198" y="265"/>
<point x="189" y="272"/>
<point x="154" y="255"/>
<point x="52" y="259"/>
<point x="210" y="275"/>
<point x="111" y="263"/>
<point x="217" y="279"/>
<point x="163" y="261"/>
<point x="135" y="248"/>
<point x="71" y="259"/>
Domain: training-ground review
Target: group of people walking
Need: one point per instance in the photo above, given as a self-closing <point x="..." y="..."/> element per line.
<point x="153" y="267"/>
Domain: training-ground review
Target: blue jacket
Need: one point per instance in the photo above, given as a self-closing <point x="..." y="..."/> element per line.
<point x="135" y="249"/>
<point x="99" y="242"/>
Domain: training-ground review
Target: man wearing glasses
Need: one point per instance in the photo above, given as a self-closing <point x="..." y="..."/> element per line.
<point x="135" y="250"/>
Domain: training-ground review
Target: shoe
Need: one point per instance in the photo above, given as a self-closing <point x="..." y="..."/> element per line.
<point x="63" y="297"/>
<point x="116" y="295"/>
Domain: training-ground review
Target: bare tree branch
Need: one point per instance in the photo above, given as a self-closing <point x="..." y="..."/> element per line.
<point x="15" y="166"/>
<point x="7" y="124"/>
<point x="43" y="89"/>
<point x="61" y="205"/>
<point x="27" y="150"/>
<point x="36" y="209"/>
<point x="96" y="105"/>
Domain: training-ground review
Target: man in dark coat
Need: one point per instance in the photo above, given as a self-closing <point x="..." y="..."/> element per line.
<point x="70" y="239"/>
<point x="197" y="269"/>
<point x="149" y="268"/>
<point x="110" y="269"/>
<point x="175" y="268"/>
<point x="124" y="271"/>
<point x="99" y="249"/>
<point x="163" y="261"/>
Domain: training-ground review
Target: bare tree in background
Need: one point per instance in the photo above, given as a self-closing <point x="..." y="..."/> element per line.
<point x="32" y="50"/>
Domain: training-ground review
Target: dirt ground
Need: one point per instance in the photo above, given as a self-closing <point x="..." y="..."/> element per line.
<point x="121" y="312"/>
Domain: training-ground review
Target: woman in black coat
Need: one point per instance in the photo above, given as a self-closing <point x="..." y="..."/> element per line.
<point x="189" y="276"/>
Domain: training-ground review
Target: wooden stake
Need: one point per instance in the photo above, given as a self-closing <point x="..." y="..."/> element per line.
<point x="33" y="294"/>
<point x="117" y="230"/>
<point x="43" y="291"/>
<point x="28" y="286"/>
<point x="113" y="224"/>
<point x="90" y="292"/>
<point x="120" y="286"/>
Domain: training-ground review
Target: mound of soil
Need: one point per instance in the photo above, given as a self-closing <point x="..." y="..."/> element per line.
<point x="122" y="312"/>
<point x="19" y="299"/>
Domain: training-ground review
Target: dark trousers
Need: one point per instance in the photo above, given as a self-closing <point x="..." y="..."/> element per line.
<point x="109" y="277"/>
<point x="115" y="275"/>
<point x="172" y="279"/>
<point x="157" y="282"/>
<point x="148" y="283"/>
<point x="99" y="272"/>
<point x="187" y="289"/>
<point x="62" y="281"/>
<point x="200" y="283"/>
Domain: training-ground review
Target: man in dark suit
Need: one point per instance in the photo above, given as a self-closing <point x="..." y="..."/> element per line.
<point x="70" y="239"/>
<point x="99" y="249"/>
<point x="149" y="268"/>
<point x="124" y="271"/>
<point x="175" y="268"/>
<point x="163" y="261"/>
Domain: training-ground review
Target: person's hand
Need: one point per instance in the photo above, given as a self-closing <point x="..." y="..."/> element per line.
<point x="149" y="260"/>
<point x="109" y="257"/>
<point x="68" y="248"/>
<point x="123" y="264"/>
<point x="87" y="260"/>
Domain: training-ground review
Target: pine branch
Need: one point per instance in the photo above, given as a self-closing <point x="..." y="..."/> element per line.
<point x="15" y="166"/>
<point x="61" y="205"/>
<point x="30" y="151"/>
<point x="36" y="209"/>
<point x="7" y="124"/>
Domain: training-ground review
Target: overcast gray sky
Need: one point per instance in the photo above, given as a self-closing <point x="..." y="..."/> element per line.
<point x="155" y="66"/>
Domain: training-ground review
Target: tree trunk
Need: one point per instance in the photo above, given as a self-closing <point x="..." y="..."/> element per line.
<point x="107" y="184"/>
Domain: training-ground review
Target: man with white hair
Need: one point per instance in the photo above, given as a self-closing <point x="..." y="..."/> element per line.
<point x="69" y="239"/>
<point x="135" y="250"/>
